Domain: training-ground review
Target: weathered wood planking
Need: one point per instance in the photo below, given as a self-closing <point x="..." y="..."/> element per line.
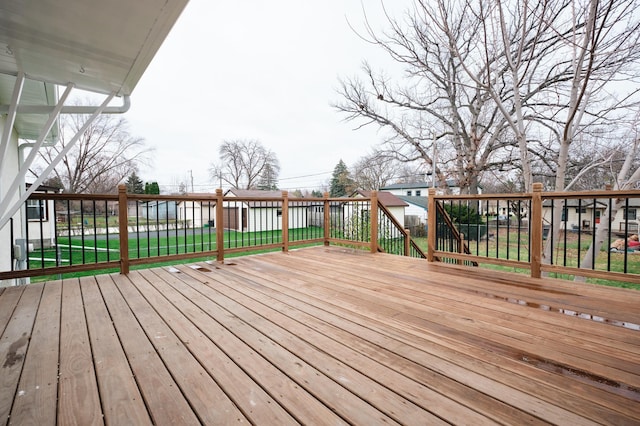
<point x="319" y="336"/>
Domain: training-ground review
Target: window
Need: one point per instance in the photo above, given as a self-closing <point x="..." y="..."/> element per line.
<point x="581" y="210"/>
<point x="36" y="210"/>
<point x="418" y="193"/>
<point x="408" y="193"/>
<point x="279" y="212"/>
<point x="630" y="214"/>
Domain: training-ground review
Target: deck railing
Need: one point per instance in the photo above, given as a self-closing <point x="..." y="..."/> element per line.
<point x="67" y="233"/>
<point x="543" y="232"/>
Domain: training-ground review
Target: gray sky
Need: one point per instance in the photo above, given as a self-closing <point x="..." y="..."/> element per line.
<point x="255" y="70"/>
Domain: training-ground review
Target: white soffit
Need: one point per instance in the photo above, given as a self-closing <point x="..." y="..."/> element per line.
<point x="33" y="93"/>
<point x="102" y="46"/>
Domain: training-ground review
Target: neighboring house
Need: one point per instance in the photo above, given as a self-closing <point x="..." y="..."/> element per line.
<point x="575" y="215"/>
<point x="196" y="214"/>
<point x="394" y="204"/>
<point x="586" y="215"/>
<point x="421" y="189"/>
<point x="416" y="210"/>
<point x="627" y="219"/>
<point x="252" y="213"/>
<point x="41" y="219"/>
<point x="316" y="212"/>
<point x="161" y="210"/>
<point x="505" y="209"/>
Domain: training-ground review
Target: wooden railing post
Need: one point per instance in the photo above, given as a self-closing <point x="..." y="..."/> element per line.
<point x="219" y="225"/>
<point x="431" y="225"/>
<point x="123" y="228"/>
<point x="373" y="221"/>
<point x="327" y="218"/>
<point x="285" y="221"/>
<point x="461" y="247"/>
<point x="536" y="230"/>
<point x="407" y="242"/>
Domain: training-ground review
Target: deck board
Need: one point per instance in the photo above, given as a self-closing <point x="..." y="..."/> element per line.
<point x="353" y="302"/>
<point x="14" y="345"/>
<point x="39" y="381"/>
<point x="323" y="335"/>
<point x="166" y="403"/>
<point x="78" y="396"/>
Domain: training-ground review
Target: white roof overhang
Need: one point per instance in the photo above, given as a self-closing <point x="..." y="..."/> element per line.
<point x="97" y="45"/>
<point x="101" y="46"/>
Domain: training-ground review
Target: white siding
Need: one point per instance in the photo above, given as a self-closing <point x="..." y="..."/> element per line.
<point x="8" y="173"/>
<point x="413" y="210"/>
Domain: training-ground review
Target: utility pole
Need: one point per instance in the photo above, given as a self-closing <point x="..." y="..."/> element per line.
<point x="191" y="175"/>
<point x="433" y="161"/>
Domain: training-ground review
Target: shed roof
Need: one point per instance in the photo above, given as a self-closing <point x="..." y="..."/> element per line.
<point x="417" y="201"/>
<point x="386" y="198"/>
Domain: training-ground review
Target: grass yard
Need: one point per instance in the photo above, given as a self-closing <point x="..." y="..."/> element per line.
<point x="505" y="246"/>
<point x="90" y="249"/>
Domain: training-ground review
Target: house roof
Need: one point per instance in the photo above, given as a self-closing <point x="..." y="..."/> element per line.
<point x="45" y="188"/>
<point x="254" y="193"/>
<point x="386" y="198"/>
<point x="422" y="202"/>
<point x="258" y="193"/>
<point x="418" y="185"/>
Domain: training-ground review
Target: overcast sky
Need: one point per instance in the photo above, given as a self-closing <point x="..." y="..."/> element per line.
<point x="255" y="70"/>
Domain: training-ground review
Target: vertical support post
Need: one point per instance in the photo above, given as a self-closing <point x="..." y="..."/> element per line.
<point x="123" y="227"/>
<point x="373" y="221"/>
<point x="407" y="242"/>
<point x="219" y="226"/>
<point x="285" y="221"/>
<point x="327" y="218"/>
<point x="536" y="230"/>
<point x="460" y="247"/>
<point x="431" y="225"/>
<point x="11" y="118"/>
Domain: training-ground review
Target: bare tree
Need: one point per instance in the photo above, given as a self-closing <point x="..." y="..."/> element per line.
<point x="554" y="60"/>
<point x="375" y="171"/>
<point x="103" y="156"/>
<point x="243" y="162"/>
<point x="436" y="102"/>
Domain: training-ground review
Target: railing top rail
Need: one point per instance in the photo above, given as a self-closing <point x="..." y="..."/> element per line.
<point x="545" y="195"/>
<point x="592" y="194"/>
<point x="63" y="196"/>
<point x="514" y="196"/>
<point x="151" y="197"/>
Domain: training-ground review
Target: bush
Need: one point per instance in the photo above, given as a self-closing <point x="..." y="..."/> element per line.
<point x="461" y="213"/>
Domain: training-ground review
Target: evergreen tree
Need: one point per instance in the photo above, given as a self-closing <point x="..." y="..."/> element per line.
<point x="316" y="194"/>
<point x="134" y="184"/>
<point x="152" y="188"/>
<point x="341" y="181"/>
<point x="268" y="178"/>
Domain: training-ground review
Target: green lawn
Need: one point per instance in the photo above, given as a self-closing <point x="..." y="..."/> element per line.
<point x="168" y="243"/>
<point x="100" y="249"/>
<point x="505" y="246"/>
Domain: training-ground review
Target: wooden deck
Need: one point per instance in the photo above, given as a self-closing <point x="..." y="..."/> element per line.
<point x="319" y="336"/>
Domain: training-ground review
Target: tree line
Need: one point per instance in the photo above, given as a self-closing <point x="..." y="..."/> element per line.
<point x="515" y="91"/>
